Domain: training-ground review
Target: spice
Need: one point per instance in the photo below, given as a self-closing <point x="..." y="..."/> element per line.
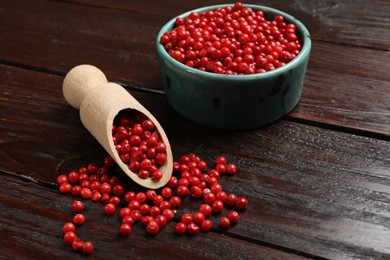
<point x="139" y="144"/>
<point x="77" y="206"/>
<point x="153" y="208"/>
<point x="232" y="40"/>
<point x="78" y="219"/>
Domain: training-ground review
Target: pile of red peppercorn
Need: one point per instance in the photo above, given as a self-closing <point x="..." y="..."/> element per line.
<point x="153" y="208"/>
<point x="232" y="40"/>
<point x="139" y="144"/>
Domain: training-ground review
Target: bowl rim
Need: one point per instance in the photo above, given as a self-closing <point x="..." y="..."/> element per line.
<point x="305" y="51"/>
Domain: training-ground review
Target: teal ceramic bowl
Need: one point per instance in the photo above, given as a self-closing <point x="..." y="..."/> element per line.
<point x="234" y="102"/>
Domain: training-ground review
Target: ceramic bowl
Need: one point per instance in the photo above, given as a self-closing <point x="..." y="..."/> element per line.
<point x="234" y="102"/>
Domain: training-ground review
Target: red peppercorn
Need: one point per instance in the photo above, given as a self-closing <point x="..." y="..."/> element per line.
<point x="215" y="188"/>
<point x="136" y="215"/>
<point x="224" y="222"/>
<point x="192" y="229"/>
<point x="69" y="237"/>
<point x="118" y="190"/>
<point x="233" y="216"/>
<point x="92" y="168"/>
<point x="128" y="220"/>
<point x="146" y="219"/>
<point x="172" y="183"/>
<point x="96" y="196"/>
<point x="213" y="178"/>
<point x="68" y="227"/>
<point x="79" y="219"/>
<point x="168" y="214"/>
<point x="114" y="200"/>
<point x="76" y="190"/>
<point x="166" y="192"/>
<point x="65" y="188"/>
<point x="144" y="209"/>
<point x="62" y="179"/>
<point x="221" y="168"/>
<point x="152" y="228"/>
<point x="182" y="191"/>
<point x="104" y="178"/>
<point x="83" y="170"/>
<point x="160" y="220"/>
<point x="231" y="199"/>
<point x="220" y="160"/>
<point x="86" y="184"/>
<point x="186" y="218"/>
<point x="217" y="206"/>
<point x="105" y="198"/>
<point x="164" y="205"/>
<point x="241" y="203"/>
<point x="184" y="181"/>
<point x="73" y="177"/>
<point x="77" y="244"/>
<point x="206" y="225"/>
<point x="154" y="211"/>
<point x="198" y="217"/>
<point x="206" y="209"/>
<point x="134" y="205"/>
<point x="175" y="201"/>
<point x="157" y="175"/>
<point x="105" y="188"/>
<point x="150" y="194"/>
<point x="95" y="186"/>
<point x="196" y="192"/>
<point x="77" y="206"/>
<point x="231" y="169"/>
<point x="87" y="248"/>
<point x="124" y="212"/>
<point x="209" y="198"/>
<point x="158" y="199"/>
<point x="129" y="196"/>
<point x="86" y="193"/>
<point x="125" y="229"/>
<point x="194" y="181"/>
<point x="180" y="228"/>
<point x="109" y="208"/>
<point x="222" y="196"/>
<point x="108" y="161"/>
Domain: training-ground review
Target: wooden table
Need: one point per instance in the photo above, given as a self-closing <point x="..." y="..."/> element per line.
<point x="318" y="180"/>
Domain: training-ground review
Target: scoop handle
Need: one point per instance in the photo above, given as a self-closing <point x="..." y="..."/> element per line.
<point x="80" y="81"/>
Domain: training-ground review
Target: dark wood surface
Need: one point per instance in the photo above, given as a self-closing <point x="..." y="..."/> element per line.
<point x="317" y="181"/>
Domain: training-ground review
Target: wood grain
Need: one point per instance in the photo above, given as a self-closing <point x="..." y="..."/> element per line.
<point x="326" y="183"/>
<point x="32" y="217"/>
<point x="318" y="181"/>
<point x="335" y="73"/>
<point x="327" y="20"/>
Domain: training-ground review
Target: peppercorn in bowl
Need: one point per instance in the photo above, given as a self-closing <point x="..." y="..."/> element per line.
<point x="233" y="66"/>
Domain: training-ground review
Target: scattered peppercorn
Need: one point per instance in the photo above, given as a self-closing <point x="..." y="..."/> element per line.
<point x="152" y="208"/>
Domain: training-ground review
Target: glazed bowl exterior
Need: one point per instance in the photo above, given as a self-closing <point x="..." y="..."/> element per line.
<point x="234" y="102"/>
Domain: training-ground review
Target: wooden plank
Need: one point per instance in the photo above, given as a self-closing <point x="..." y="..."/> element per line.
<point x="335" y="75"/>
<point x="329" y="20"/>
<point x="309" y="188"/>
<point x="32" y="216"/>
<point x="334" y="72"/>
<point x="60" y="36"/>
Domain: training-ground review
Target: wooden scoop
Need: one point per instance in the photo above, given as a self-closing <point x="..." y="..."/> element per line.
<point x="85" y="87"/>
